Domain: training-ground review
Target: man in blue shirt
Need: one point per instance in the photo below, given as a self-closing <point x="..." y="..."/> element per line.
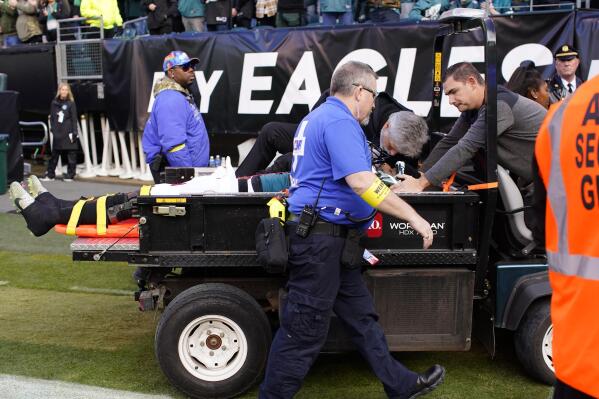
<point x="175" y="134"/>
<point x="331" y="172"/>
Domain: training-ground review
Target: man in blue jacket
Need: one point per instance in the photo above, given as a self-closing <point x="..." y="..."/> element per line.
<point x="175" y="134"/>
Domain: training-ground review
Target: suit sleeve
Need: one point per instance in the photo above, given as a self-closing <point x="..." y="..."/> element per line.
<point x="74" y="119"/>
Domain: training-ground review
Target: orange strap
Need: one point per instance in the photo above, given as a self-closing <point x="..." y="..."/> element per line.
<point x="483" y="186"/>
<point x="473" y="187"/>
<point x="447" y="183"/>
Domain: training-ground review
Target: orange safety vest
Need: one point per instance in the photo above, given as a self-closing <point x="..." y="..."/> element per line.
<point x="567" y="152"/>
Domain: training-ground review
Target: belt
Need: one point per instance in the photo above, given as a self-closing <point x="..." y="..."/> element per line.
<point x="321" y="227"/>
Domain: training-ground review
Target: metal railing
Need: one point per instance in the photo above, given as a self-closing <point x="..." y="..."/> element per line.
<point x="34" y="143"/>
<point x="79" y="49"/>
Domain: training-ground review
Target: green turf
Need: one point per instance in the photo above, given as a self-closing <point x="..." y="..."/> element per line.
<point x="49" y="331"/>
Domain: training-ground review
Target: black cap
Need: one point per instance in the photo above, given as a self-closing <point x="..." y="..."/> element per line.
<point x="566" y="52"/>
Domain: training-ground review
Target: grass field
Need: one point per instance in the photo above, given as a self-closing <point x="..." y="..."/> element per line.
<point x="73" y="321"/>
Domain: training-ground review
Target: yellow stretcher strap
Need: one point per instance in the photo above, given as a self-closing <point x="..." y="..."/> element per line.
<point x="74" y="219"/>
<point x="376" y="193"/>
<point x="101" y="216"/>
<point x="145" y="190"/>
<point x="177" y="148"/>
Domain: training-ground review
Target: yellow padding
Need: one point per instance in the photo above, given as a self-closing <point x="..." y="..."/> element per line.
<point x="177" y="148"/>
<point x="101" y="216"/>
<point x="145" y="190"/>
<point x="376" y="193"/>
<point x="75" y="213"/>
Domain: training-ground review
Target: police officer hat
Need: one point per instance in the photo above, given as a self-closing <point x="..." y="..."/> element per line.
<point x="566" y="52"/>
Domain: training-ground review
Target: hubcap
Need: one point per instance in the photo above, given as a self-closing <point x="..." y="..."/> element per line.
<point x="212" y="348"/>
<point x="548" y="348"/>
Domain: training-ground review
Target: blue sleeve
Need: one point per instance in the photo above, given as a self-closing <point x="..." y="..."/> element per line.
<point x="171" y="123"/>
<point x="346" y="146"/>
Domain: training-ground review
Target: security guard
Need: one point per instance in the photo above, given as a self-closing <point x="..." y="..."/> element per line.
<point x="175" y="134"/>
<point x="334" y="194"/>
<point x="568" y="160"/>
<point x="564" y="81"/>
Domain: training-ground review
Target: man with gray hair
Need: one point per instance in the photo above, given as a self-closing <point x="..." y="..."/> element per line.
<point x="402" y="136"/>
<point x="333" y="197"/>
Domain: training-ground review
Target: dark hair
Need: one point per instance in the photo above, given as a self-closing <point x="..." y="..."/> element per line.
<point x="461" y="71"/>
<point x="525" y="78"/>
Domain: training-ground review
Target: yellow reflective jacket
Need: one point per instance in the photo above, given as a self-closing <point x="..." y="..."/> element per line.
<point x="108" y="9"/>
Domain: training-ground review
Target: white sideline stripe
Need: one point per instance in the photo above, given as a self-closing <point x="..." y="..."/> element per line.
<point x="3" y="282"/>
<point x="101" y="290"/>
<point x="15" y="387"/>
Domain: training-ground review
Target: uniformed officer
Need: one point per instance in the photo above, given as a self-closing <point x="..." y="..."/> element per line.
<point x="564" y="81"/>
<point x="568" y="160"/>
<point x="331" y="176"/>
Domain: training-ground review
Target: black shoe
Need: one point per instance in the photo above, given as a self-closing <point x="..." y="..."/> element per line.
<point x="426" y="382"/>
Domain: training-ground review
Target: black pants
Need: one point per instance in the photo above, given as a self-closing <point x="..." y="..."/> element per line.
<point x="162" y="30"/>
<point x="71" y="162"/>
<point x="564" y="391"/>
<point x="274" y="137"/>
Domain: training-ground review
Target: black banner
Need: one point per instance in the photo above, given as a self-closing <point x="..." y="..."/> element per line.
<point x="248" y="78"/>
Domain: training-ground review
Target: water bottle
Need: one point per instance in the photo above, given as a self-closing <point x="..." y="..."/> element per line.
<point x="211" y="162"/>
<point x="217" y="161"/>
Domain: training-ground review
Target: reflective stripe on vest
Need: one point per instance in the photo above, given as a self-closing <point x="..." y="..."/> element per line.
<point x="562" y="261"/>
<point x="566" y="152"/>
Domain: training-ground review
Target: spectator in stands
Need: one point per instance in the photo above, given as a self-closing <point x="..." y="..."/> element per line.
<point x="381" y="11"/>
<point x="427" y="10"/>
<point x="335" y="12"/>
<point x="28" y="27"/>
<point x="266" y="12"/>
<point x="496" y="7"/>
<point x="160" y="15"/>
<point x="528" y="82"/>
<point x="63" y="125"/>
<point x="243" y="12"/>
<point x="75" y="8"/>
<point x="564" y="82"/>
<point x="218" y="15"/>
<point x="50" y="12"/>
<point x="192" y="14"/>
<point x="290" y="13"/>
<point x="8" y="20"/>
<point x="107" y="9"/>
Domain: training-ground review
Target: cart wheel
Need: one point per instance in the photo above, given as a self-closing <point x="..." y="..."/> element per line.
<point x="213" y="341"/>
<point x="533" y="341"/>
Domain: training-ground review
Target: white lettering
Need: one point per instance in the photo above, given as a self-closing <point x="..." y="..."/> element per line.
<point x="403" y="82"/>
<point x="155" y="79"/>
<point x="299" y="142"/>
<point x="370" y="57"/>
<point x="538" y="53"/>
<point x="250" y="82"/>
<point x="206" y="88"/>
<point x="594" y="69"/>
<point x="305" y="73"/>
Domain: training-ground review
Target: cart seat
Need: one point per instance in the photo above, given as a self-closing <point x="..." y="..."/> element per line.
<point x="512" y="200"/>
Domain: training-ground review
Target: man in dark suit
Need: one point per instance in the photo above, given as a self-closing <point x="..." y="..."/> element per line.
<point x="564" y="81"/>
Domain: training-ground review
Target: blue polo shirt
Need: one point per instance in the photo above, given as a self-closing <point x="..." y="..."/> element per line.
<point x="329" y="144"/>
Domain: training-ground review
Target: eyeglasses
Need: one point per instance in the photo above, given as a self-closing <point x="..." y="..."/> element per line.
<point x="187" y="67"/>
<point x="371" y="91"/>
